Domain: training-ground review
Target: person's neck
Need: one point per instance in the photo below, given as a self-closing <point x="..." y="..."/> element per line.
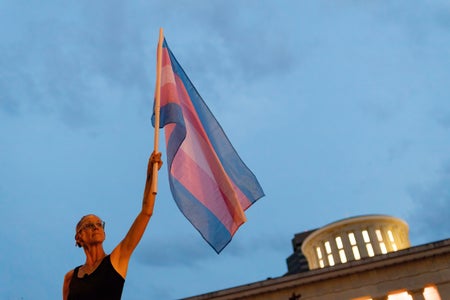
<point x="94" y="255"/>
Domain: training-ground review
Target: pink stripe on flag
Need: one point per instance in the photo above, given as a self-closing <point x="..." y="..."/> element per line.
<point x="206" y="190"/>
<point x="197" y="141"/>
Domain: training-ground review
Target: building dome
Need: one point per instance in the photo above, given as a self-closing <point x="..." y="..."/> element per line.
<point x="353" y="239"/>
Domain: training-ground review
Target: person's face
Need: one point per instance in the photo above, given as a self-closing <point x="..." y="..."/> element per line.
<point x="90" y="230"/>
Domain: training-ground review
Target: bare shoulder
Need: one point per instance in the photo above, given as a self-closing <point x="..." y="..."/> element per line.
<point x="68" y="276"/>
<point x="67" y="279"/>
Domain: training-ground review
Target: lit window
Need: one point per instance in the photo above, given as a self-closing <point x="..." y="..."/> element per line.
<point x="380" y="241"/>
<point x="351" y="237"/>
<point x="431" y="293"/>
<point x="342" y="256"/>
<point x="392" y="240"/>
<point x="400" y="296"/>
<point x="356" y="254"/>
<point x="366" y="236"/>
<point x="355" y="250"/>
<point x="331" y="259"/>
<point x="327" y="247"/>
<point x="368" y="244"/>
<point x="391" y="236"/>
<point x="370" y="249"/>
<point x="340" y="246"/>
<point x="319" y="252"/>
<point x="330" y="255"/>
<point x="379" y="235"/>
<point x="320" y="257"/>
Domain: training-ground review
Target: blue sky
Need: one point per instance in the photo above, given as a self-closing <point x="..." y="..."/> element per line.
<point x="340" y="108"/>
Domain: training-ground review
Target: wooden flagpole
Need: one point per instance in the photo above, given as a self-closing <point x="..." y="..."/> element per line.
<point x="154" y="187"/>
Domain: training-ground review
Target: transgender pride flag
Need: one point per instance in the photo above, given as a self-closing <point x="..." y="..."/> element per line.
<point x="209" y="182"/>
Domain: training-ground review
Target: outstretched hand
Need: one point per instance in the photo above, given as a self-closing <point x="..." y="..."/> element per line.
<point x="155" y="158"/>
<point x="150" y="184"/>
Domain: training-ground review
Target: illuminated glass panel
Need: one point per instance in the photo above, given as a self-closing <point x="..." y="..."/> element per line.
<point x="340" y="246"/>
<point x="331" y="259"/>
<point x="392" y="240"/>
<point x="342" y="256"/>
<point x="366" y="236"/>
<point x="383" y="248"/>
<point x="380" y="241"/>
<point x="327" y="247"/>
<point x="370" y="249"/>
<point x="379" y="235"/>
<point x="319" y="252"/>
<point x="320" y="257"/>
<point x="351" y="237"/>
<point x="356" y="254"/>
<point x="355" y="250"/>
<point x="400" y="296"/>
<point x="391" y="236"/>
<point x="431" y="293"/>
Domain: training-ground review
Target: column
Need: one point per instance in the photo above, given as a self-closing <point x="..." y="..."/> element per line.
<point x="417" y="294"/>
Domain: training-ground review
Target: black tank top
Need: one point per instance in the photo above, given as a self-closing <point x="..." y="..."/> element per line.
<point x="102" y="284"/>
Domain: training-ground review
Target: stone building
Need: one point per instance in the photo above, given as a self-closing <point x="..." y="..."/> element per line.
<point x="359" y="258"/>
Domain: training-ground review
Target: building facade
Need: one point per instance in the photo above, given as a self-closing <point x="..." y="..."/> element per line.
<point x="360" y="258"/>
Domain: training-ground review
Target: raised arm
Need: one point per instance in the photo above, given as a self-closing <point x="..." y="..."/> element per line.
<point x="120" y="256"/>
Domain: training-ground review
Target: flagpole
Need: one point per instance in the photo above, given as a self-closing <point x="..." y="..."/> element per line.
<point x="154" y="187"/>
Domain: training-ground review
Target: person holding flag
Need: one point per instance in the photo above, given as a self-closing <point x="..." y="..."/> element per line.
<point x="102" y="276"/>
<point x="209" y="182"/>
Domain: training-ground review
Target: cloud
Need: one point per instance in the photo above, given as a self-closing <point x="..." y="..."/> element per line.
<point x="238" y="47"/>
<point x="431" y="206"/>
<point x="421" y="24"/>
<point x="64" y="62"/>
<point x="167" y="252"/>
<point x="196" y="252"/>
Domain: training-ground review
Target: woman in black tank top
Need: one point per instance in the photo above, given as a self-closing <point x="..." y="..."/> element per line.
<point x="102" y="276"/>
<point x="103" y="283"/>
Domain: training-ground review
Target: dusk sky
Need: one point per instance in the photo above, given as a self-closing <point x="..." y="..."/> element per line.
<point x="340" y="109"/>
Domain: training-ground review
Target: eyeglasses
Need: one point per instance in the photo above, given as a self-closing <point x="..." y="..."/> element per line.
<point x="92" y="226"/>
